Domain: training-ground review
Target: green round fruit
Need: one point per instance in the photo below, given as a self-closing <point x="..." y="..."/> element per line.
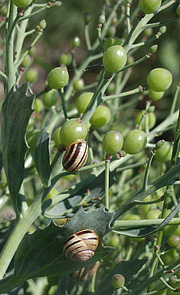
<point x="178" y="10"/>
<point x="151" y="119"/>
<point x="114" y="59"/>
<point x="83" y="101"/>
<point x="154" y="95"/>
<point x="58" y="77"/>
<point x="118" y="281"/>
<point x="31" y="75"/>
<point x="134" y="141"/>
<point x="56" y="136"/>
<point x="38" y="105"/>
<point x="78" y="84"/>
<point x="42" y="24"/>
<point x="149" y="6"/>
<point x="159" y="79"/>
<point x="72" y="130"/>
<point x="76" y="42"/>
<point x="101" y="116"/>
<point x="114" y="241"/>
<point x="164" y="151"/>
<point x="65" y="59"/>
<point x="173" y="280"/>
<point x="170" y="256"/>
<point x="26" y="61"/>
<point x="153" y="214"/>
<point x="21" y="3"/>
<point x="173" y="241"/>
<point x="50" y="98"/>
<point x="112" y="41"/>
<point x="112" y="142"/>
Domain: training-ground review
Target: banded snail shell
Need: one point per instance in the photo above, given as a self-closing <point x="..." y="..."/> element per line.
<point x="84" y="273"/>
<point x="81" y="245"/>
<point x="75" y="156"/>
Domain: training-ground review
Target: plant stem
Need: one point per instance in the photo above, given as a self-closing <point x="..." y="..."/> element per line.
<point x="21" y="226"/>
<point x="87" y="38"/>
<point x="10" y="71"/>
<point x="142" y="223"/>
<point x="63" y="103"/>
<point x="123" y="94"/>
<point x="106" y="198"/>
<point x="128" y="6"/>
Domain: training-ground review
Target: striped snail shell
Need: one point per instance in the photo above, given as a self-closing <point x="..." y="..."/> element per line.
<point x="75" y="156"/>
<point x="84" y="273"/>
<point x="81" y="245"/>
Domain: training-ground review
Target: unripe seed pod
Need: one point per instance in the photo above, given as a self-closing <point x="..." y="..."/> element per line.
<point x="118" y="281"/>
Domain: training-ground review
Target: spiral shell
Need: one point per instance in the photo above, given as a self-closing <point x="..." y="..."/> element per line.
<point x="81" y="245"/>
<point x="84" y="273"/>
<point x="75" y="156"/>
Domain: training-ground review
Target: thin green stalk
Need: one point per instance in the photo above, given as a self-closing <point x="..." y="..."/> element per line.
<point x="123" y="94"/>
<point x="175" y="98"/>
<point x="87" y="38"/>
<point x="21" y="35"/>
<point x="176" y="143"/>
<point x="80" y="71"/>
<point x="135" y="63"/>
<point x="96" y="100"/>
<point x="119" y="224"/>
<point x="20" y="228"/>
<point x="106" y="25"/>
<point x="146" y="175"/>
<point x="10" y="72"/>
<point x="3" y="76"/>
<point x="63" y="103"/>
<point x="25" y="17"/>
<point x="100" y="38"/>
<point x="166" y="201"/>
<point x="128" y="6"/>
<point x="106" y="197"/>
<point x="29" y="48"/>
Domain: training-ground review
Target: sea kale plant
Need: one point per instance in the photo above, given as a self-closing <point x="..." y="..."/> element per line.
<point x="89" y="190"/>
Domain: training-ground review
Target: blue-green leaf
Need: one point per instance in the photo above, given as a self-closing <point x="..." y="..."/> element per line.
<point x="16" y="111"/>
<point x="41" y="157"/>
<point x="41" y="253"/>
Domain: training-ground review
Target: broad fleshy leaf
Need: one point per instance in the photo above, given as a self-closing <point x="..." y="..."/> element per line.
<point x="16" y="111"/>
<point x="41" y="157"/>
<point x="126" y="268"/>
<point x="65" y="203"/>
<point x="41" y="253"/>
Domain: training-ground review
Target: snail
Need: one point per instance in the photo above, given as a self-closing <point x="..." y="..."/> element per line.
<point x="81" y="245"/>
<point x="75" y="156"/>
<point x="84" y="273"/>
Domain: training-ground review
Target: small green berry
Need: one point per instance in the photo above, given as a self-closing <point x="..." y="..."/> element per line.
<point x="58" y="77"/>
<point x="112" y="142"/>
<point x="101" y="116"/>
<point x="118" y="281"/>
<point x="159" y="79"/>
<point x="173" y="241"/>
<point x="178" y="10"/>
<point x="114" y="58"/>
<point x="21" y="3"/>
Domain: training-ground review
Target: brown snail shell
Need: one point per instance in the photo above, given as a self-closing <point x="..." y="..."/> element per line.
<point x="75" y="156"/>
<point x="84" y="273"/>
<point x="81" y="245"/>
